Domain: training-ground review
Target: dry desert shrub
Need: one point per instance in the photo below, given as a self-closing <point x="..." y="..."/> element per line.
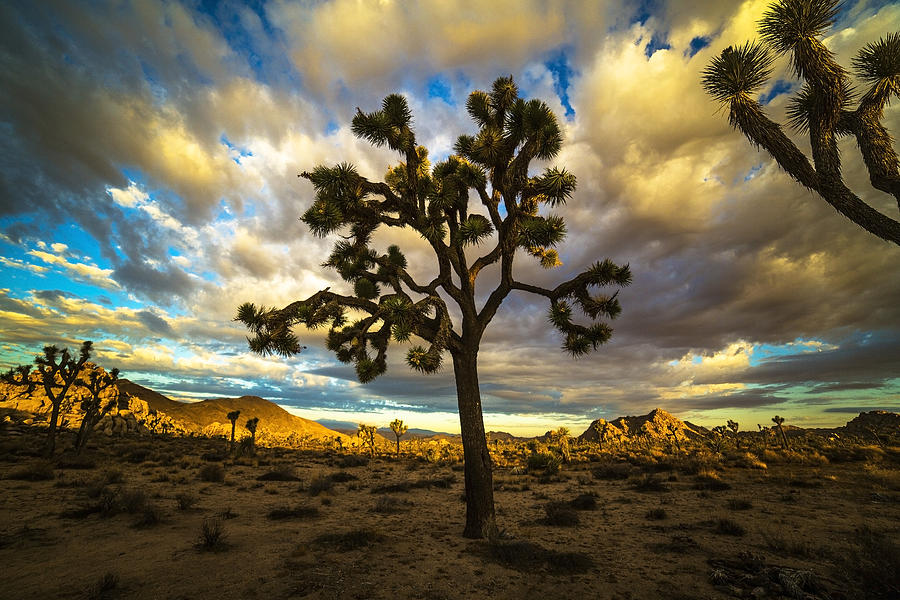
<point x="350" y="540"/>
<point x="612" y="470"/>
<point x="185" y="500"/>
<point x="388" y="505"/>
<point x="649" y="483"/>
<point x="560" y="514"/>
<point x="105" y="588"/>
<point x="212" y="535"/>
<point x="35" y="471"/>
<point x="296" y="512"/>
<point x="528" y="557"/>
<point x="656" y="514"/>
<point x="709" y="480"/>
<point x="283" y="472"/>
<point x="212" y="473"/>
<point x="725" y="526"/>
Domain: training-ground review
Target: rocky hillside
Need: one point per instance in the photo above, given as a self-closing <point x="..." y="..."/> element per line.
<point x="210" y="417"/>
<point x="881" y="422"/>
<point x="656" y="424"/>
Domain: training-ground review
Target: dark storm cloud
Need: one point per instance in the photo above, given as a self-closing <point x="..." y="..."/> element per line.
<point x="843" y="387"/>
<point x="163" y="286"/>
<point x="155" y="323"/>
<point x="861" y="409"/>
<point x="752" y="398"/>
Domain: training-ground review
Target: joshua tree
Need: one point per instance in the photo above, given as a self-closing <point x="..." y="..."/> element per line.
<point x="399" y="429"/>
<point x="20" y="377"/>
<point x="233" y="417"/>
<point x="339" y="442"/>
<point x="778" y="421"/>
<point x="561" y="436"/>
<point x="734" y="427"/>
<point x="251" y="427"/>
<point x="823" y="107"/>
<point x="601" y="427"/>
<point x="674" y="433"/>
<point x="58" y="371"/>
<point x="92" y="405"/>
<point x="509" y="209"/>
<point x="718" y="436"/>
<point x="366" y="434"/>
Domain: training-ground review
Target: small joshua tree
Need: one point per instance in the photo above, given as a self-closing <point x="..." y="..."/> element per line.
<point x="399" y="429"/>
<point x="251" y="427"/>
<point x="339" y="442"/>
<point x="673" y="433"/>
<point x="734" y="427"/>
<point x="20" y="377"/>
<point x="366" y="433"/>
<point x="94" y="409"/>
<point x="561" y="436"/>
<point x="822" y="108"/>
<point x="718" y="436"/>
<point x="778" y="421"/>
<point x="58" y="371"/>
<point x="600" y="426"/>
<point x="233" y="417"/>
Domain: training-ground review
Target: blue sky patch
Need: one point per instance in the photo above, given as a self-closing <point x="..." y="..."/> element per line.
<point x="697" y="44"/>
<point x="779" y="87"/>
<point x="439" y="87"/>
<point x="560" y="67"/>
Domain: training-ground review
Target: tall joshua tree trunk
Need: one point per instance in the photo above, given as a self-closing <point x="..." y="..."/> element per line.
<point x="480" y="519"/>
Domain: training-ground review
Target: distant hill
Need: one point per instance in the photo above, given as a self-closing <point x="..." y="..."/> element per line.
<point x="211" y="416"/>
<point x="656" y="423"/>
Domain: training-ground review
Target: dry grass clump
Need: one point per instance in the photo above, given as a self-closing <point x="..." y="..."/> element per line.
<point x="725" y="526"/>
<point x="739" y="504"/>
<point x="105" y="588"/>
<point x="212" y="535"/>
<point x="212" y="473"/>
<point x="68" y="461"/>
<point x="297" y="512"/>
<point x="874" y="564"/>
<point x="709" y="480"/>
<point x="185" y="500"/>
<point x="560" y="514"/>
<point x="350" y="540"/>
<point x="528" y="557"/>
<point x="36" y="471"/>
<point x="649" y="483"/>
<point x="388" y="505"/>
<point x="612" y="470"/>
<point x="284" y="472"/>
<point x="656" y="514"/>
<point x="584" y="502"/>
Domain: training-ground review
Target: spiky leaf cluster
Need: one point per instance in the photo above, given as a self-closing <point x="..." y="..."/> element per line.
<point x="823" y="106"/>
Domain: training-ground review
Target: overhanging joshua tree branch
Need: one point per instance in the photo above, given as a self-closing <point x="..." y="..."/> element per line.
<point x="481" y="195"/>
<point x="823" y="108"/>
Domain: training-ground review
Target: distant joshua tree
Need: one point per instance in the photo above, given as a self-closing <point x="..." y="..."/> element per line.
<point x="399" y="429"/>
<point x="339" y="442"/>
<point x="251" y="427"/>
<point x="734" y="427"/>
<point x="673" y="433"/>
<point x="601" y="427"/>
<point x="59" y="372"/>
<point x="366" y="433"/>
<point x="233" y="417"/>
<point x="561" y="436"/>
<point x="778" y="421"/>
<point x="823" y="107"/>
<point x="92" y="406"/>
<point x="718" y="436"/>
<point x="20" y="377"/>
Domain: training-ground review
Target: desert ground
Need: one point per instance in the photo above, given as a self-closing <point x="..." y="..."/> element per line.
<point x="181" y="518"/>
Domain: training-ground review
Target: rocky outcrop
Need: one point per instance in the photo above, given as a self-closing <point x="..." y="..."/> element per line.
<point x="879" y="422"/>
<point x="656" y="424"/>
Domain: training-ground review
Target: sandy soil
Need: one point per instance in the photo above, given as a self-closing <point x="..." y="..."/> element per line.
<point x="806" y="526"/>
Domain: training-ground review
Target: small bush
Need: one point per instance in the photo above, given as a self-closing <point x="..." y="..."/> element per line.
<point x="281" y="473"/>
<point x="560" y="514"/>
<point x="352" y="460"/>
<point x="75" y="462"/>
<point x="389" y="505"/>
<point x="656" y="514"/>
<point x="150" y="516"/>
<point x="350" y="540"/>
<point x="342" y="477"/>
<point x="36" y="471"/>
<point x="298" y="512"/>
<point x="875" y="563"/>
<point x="320" y="484"/>
<point x="729" y="527"/>
<point x="709" y="480"/>
<point x="650" y="483"/>
<point x="133" y="500"/>
<point x="185" y="500"/>
<point x="212" y="535"/>
<point x="612" y="470"/>
<point x="111" y="476"/>
<point x="104" y="587"/>
<point x="212" y="472"/>
<point x="543" y="462"/>
<point x="584" y="502"/>
<point x="528" y="557"/>
<point x="739" y="504"/>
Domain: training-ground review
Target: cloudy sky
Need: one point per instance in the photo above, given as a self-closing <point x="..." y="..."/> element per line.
<point x="149" y="155"/>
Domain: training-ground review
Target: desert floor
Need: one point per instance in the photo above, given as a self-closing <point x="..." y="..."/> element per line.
<point x="126" y="522"/>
